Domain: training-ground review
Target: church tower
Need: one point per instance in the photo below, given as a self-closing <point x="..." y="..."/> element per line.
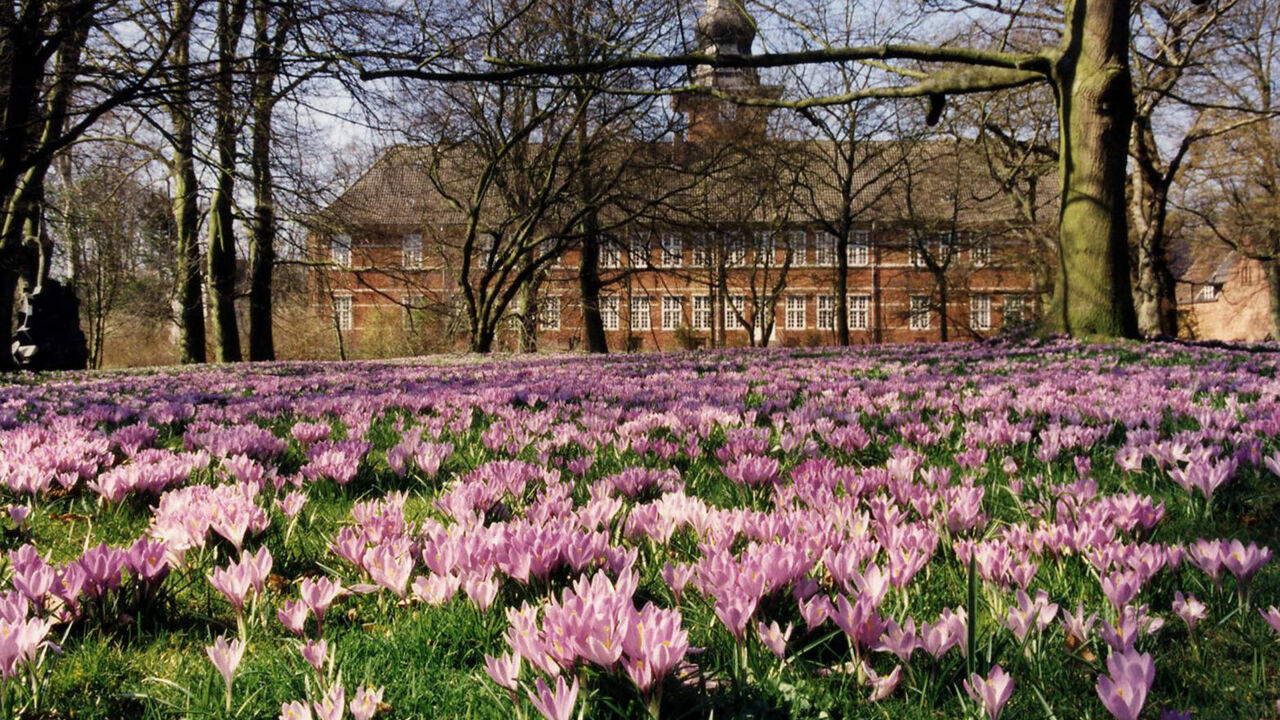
<point x="725" y="28"/>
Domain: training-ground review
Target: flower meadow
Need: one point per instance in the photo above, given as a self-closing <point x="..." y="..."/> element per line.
<point x="1044" y="530"/>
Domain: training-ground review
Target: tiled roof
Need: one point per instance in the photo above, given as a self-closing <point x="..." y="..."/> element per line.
<point x="942" y="181"/>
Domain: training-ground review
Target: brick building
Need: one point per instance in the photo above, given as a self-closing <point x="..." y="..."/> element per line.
<point x="934" y="256"/>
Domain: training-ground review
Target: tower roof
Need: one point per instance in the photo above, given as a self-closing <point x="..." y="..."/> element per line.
<point x="725" y="27"/>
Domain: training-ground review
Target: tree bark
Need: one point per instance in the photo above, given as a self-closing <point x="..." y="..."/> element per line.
<point x="8" y="288"/>
<point x="1092" y="295"/>
<point x="262" y="248"/>
<point x="222" y="241"/>
<point x="1273" y="295"/>
<point x="186" y="211"/>
<point x="842" y="283"/>
<point x="589" y="285"/>
<point x="1154" y="294"/>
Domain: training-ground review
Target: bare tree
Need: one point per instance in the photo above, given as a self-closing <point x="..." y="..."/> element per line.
<point x="1234" y="179"/>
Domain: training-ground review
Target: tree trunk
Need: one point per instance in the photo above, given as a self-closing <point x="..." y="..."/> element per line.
<point x="589" y="285"/>
<point x="1154" y="295"/>
<point x="1093" y="294"/>
<point x="842" y="286"/>
<point x="222" y="241"/>
<point x="1273" y="295"/>
<point x="262" y="247"/>
<point x="8" y="288"/>
<point x="944" y="298"/>
<point x="528" y="314"/>
<point x="186" y="210"/>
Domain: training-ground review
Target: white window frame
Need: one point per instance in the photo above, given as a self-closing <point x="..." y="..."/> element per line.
<point x="641" y="315"/>
<point x="797" y="313"/>
<point x="340" y="250"/>
<point x="735" y="247"/>
<point x="859" y="250"/>
<point x="672" y="254"/>
<point x="702" y="310"/>
<point x="766" y="247"/>
<point x="549" y="313"/>
<point x="734" y="308"/>
<point x="344" y="311"/>
<point x="920" y="313"/>
<point x="826" y="312"/>
<point x="1015" y="309"/>
<point x="944" y="245"/>
<point x="798" y="241"/>
<point x="411" y="251"/>
<point x="610" y="254"/>
<point x="824" y="249"/>
<point x="1206" y="293"/>
<point x="702" y="249"/>
<point x="980" y="312"/>
<point x="980" y="253"/>
<point x="672" y="312"/>
<point x="638" y="251"/>
<point x="609" y="312"/>
<point x="859" y="311"/>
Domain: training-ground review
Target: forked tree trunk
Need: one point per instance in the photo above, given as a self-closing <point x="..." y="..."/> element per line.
<point x="1092" y="296"/>
<point x="186" y="210"/>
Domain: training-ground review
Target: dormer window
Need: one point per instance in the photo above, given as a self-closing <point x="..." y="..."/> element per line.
<point x="1207" y="293"/>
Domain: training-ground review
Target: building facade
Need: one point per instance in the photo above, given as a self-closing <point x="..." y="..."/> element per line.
<point x="391" y="260"/>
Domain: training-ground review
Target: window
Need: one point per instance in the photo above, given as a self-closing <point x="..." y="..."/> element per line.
<point x="824" y="250"/>
<point x="944" y="245"/>
<point x="859" y="312"/>
<point x="484" y="248"/>
<point x="340" y="250"/>
<point x="796" y="318"/>
<point x="609" y="312"/>
<point x="672" y="312"/>
<point x="342" y="311"/>
<point x="549" y="313"/>
<point x="859" y="253"/>
<point x="766" y="246"/>
<point x="548" y="248"/>
<point x="610" y="253"/>
<point x="916" y="255"/>
<point x="702" y="249"/>
<point x="980" y="312"/>
<point x="735" y="251"/>
<point x="638" y="256"/>
<point x="1015" y="309"/>
<point x="797" y="246"/>
<point x="1207" y="293"/>
<point x="733" y="312"/>
<point x="639" y="312"/>
<point x="921" y="317"/>
<point x="826" y="312"/>
<point x="672" y="250"/>
<point x="701" y="312"/>
<point x="411" y="251"/>
<point x="980" y="252"/>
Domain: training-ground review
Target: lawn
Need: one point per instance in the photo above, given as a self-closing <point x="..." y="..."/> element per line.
<point x="1044" y="530"/>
